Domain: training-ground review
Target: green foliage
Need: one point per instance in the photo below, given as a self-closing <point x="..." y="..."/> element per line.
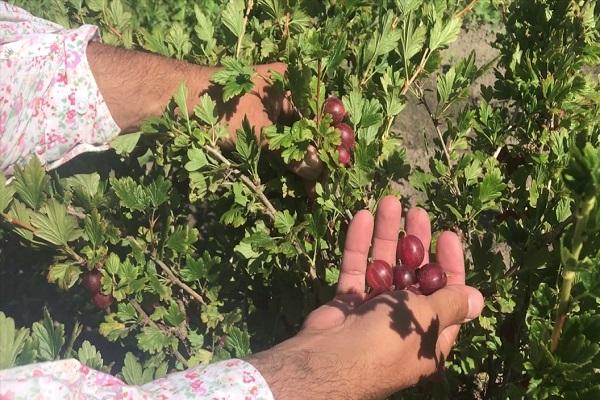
<point x="212" y="254"/>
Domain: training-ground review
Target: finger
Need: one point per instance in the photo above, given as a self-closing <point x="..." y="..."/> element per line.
<point x="356" y="253"/>
<point x="449" y="254"/>
<point x="454" y="305"/>
<point x="418" y="224"/>
<point x="387" y="228"/>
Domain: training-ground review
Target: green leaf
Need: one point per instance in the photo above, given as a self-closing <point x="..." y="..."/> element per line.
<point x="284" y="222"/>
<point x="182" y="238"/>
<point x="197" y="159"/>
<point x="174" y="315"/>
<point x="153" y="340"/>
<point x="442" y="35"/>
<point x="206" y="110"/>
<point x="235" y="77"/>
<point x="65" y="275"/>
<point x="233" y="17"/>
<point x="31" y="182"/>
<point x="181" y="101"/>
<point x="12" y="341"/>
<point x="238" y="342"/>
<point x="6" y="194"/>
<point x="55" y="225"/>
<point x="158" y="191"/>
<point x="132" y="371"/>
<point x="132" y="195"/>
<point x="125" y="144"/>
<point x="491" y="188"/>
<point x="49" y="336"/>
<point x="90" y="356"/>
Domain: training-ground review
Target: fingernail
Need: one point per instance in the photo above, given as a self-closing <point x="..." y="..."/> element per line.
<point x="475" y="305"/>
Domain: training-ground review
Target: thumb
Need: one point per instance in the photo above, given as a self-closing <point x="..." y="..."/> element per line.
<point x="456" y="304"/>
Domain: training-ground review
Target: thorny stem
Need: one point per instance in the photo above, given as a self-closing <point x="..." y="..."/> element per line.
<point x="146" y="319"/>
<point x="178" y="282"/>
<point x="417" y="72"/>
<point x="581" y="220"/>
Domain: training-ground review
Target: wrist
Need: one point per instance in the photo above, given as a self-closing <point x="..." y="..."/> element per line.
<point x="301" y="368"/>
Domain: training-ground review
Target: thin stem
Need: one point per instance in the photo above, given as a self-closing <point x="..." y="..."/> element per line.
<point x="417" y="72"/>
<point x="270" y="209"/>
<point x="175" y="280"/>
<point x="146" y="319"/>
<point x="238" y="47"/>
<point x="436" y="125"/>
<point x="468" y="8"/>
<point x="583" y="214"/>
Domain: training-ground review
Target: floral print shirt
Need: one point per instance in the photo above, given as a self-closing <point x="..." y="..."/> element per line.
<point x="50" y="105"/>
<point x="69" y="379"/>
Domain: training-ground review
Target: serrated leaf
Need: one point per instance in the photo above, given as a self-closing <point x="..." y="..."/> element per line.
<point x="31" y="182"/>
<point x="284" y="222"/>
<point x="90" y="356"/>
<point x="206" y="110"/>
<point x="182" y="238"/>
<point x="153" y="340"/>
<point x="65" y="275"/>
<point x="442" y="34"/>
<point x="233" y="17"/>
<point x="12" y="341"/>
<point x="132" y="370"/>
<point x="132" y="195"/>
<point x="55" y="225"/>
<point x="238" y="342"/>
<point x="235" y="77"/>
<point x="50" y="338"/>
<point x="158" y="191"/>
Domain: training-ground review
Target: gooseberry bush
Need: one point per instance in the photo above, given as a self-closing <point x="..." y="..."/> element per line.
<point x="205" y="254"/>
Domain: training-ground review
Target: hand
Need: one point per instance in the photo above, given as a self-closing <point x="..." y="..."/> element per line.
<point x="360" y="348"/>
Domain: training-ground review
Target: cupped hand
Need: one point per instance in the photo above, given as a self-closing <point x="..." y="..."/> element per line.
<point x="363" y="348"/>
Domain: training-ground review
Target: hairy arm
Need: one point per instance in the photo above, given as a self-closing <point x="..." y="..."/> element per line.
<point x="138" y="85"/>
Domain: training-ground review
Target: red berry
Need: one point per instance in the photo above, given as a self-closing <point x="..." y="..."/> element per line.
<point x="404" y="277"/>
<point x="344" y="155"/>
<point x="380" y="276"/>
<point x="102" y="301"/>
<point x="92" y="281"/>
<point x="347" y="135"/>
<point x="335" y="108"/>
<point x="431" y="278"/>
<point x="410" y="251"/>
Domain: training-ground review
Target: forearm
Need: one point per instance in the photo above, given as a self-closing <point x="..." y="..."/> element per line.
<point x="137" y="85"/>
<point x="296" y="370"/>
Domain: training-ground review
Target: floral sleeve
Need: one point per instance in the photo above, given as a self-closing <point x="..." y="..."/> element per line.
<point x="69" y="379"/>
<point x="50" y="105"/>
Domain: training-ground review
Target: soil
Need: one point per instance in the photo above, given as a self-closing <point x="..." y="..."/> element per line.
<point x="414" y="123"/>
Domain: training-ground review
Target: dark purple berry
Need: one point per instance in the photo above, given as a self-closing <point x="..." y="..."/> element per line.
<point x="404" y="277"/>
<point x="410" y="251"/>
<point x="431" y="278"/>
<point x="347" y="135"/>
<point x="335" y="108"/>
<point x="380" y="276"/>
<point x="92" y="281"/>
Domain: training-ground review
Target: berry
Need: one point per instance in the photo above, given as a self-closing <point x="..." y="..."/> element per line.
<point x="410" y="251"/>
<point x="335" y="108"/>
<point x="344" y="155"/>
<point x="431" y="278"/>
<point x="380" y="276"/>
<point x="404" y="277"/>
<point x="102" y="301"/>
<point x="92" y="281"/>
<point x="347" y="135"/>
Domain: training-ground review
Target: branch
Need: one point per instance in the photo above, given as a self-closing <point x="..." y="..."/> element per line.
<point x="417" y="72"/>
<point x="468" y="8"/>
<point x="436" y="125"/>
<point x="178" y="282"/>
<point x="147" y="321"/>
<point x="271" y="211"/>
